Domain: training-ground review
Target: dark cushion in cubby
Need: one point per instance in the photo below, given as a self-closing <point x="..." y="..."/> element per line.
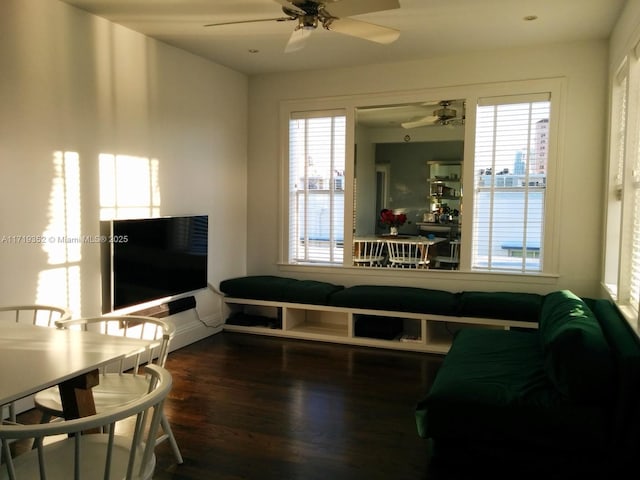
<point x="525" y="307"/>
<point x="279" y="289"/>
<point x="399" y="299"/>
<point x="372" y="326"/>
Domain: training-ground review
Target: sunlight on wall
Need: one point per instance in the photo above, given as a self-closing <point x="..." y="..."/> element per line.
<point x="62" y="241"/>
<point x="129" y="187"/>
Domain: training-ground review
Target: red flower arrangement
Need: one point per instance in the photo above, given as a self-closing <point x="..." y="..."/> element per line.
<point x="387" y="217"/>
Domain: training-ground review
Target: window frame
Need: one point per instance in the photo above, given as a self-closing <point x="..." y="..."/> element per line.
<point x="554" y="85"/>
<point x="618" y="139"/>
<point x="306" y="194"/>
<point x="621" y="264"/>
<point x="494" y="105"/>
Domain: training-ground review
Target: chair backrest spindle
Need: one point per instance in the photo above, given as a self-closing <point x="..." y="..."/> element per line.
<point x="68" y="453"/>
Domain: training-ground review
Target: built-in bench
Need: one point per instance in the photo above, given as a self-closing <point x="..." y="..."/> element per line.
<point x="398" y="317"/>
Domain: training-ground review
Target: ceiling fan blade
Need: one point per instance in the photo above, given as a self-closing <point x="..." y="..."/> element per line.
<point x="367" y="31"/>
<point x="278" y="19"/>
<point x="347" y="8"/>
<point x="297" y="40"/>
<point x="421" y="122"/>
<point x="291" y="7"/>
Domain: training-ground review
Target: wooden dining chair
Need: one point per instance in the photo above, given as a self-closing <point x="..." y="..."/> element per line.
<point x="121" y="445"/>
<point x="408" y="254"/>
<point x="122" y="382"/>
<point x="37" y="314"/>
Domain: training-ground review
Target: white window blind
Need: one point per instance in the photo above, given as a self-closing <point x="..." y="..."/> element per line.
<point x="634" y="287"/>
<point x="630" y="158"/>
<point x="616" y="176"/>
<point x="316" y="187"/>
<point x="511" y="156"/>
<point x="620" y="125"/>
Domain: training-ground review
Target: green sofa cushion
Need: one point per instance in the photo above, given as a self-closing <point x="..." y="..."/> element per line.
<point x="492" y="386"/>
<point x="576" y="354"/>
<point x="279" y="289"/>
<point x="502" y="305"/>
<point x="401" y="299"/>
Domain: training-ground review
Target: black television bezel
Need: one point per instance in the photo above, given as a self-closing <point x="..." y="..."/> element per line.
<point x="107" y="263"/>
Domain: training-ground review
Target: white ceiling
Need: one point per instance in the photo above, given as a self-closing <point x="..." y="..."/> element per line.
<point x="428" y="28"/>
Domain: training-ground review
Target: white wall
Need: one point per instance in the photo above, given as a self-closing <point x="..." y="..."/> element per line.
<point x="71" y="82"/>
<point x="583" y="66"/>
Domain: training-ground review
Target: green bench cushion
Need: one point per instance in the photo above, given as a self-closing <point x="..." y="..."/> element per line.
<point x="279" y="289"/>
<point x="576" y="354"/>
<point x="400" y="299"/>
<point x="501" y="305"/>
<point x="492" y="386"/>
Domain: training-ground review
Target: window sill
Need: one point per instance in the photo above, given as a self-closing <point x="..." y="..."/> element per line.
<point x="544" y="280"/>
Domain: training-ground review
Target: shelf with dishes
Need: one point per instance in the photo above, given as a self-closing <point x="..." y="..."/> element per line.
<point x="445" y="179"/>
<point x="444" y="191"/>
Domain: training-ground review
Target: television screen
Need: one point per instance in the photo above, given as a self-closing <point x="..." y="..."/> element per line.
<point x="153" y="258"/>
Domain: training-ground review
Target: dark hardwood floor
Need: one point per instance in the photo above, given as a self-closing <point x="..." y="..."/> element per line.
<point x="250" y="407"/>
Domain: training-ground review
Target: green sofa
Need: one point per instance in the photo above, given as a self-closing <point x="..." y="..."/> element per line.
<point x="561" y="401"/>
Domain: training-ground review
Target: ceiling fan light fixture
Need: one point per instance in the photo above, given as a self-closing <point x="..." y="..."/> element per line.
<point x="310" y="13"/>
<point x="308" y="22"/>
<point x="445" y="113"/>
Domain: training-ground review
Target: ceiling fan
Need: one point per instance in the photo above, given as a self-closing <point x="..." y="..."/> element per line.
<point x="333" y="15"/>
<point x="441" y="116"/>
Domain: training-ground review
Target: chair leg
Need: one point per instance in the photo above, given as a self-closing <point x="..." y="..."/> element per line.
<point x="168" y="435"/>
<point x="45" y="418"/>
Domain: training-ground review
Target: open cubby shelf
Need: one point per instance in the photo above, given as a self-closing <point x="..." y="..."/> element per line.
<point x="375" y="328"/>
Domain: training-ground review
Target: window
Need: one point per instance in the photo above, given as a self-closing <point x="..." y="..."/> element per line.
<point x="616" y="175"/>
<point x="622" y="254"/>
<point x="316" y="187"/>
<point x="510" y="181"/>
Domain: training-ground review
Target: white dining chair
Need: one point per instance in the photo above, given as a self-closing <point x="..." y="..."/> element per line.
<point x="452" y="260"/>
<point x="368" y="252"/>
<point x="43" y="315"/>
<point x="109" y="444"/>
<point x="408" y="253"/>
<point x="120" y="383"/>
<point x="36" y="314"/>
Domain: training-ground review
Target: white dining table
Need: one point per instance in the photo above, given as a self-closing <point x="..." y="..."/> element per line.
<point x="33" y="358"/>
<point x="417" y="240"/>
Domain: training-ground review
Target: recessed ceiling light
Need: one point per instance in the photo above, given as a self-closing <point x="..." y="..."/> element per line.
<point x="530" y="18"/>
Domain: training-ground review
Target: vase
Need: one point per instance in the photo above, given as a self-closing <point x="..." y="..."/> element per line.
<point x="393" y="230"/>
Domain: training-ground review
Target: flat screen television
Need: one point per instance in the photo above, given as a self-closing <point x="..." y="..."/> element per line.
<point x="147" y="259"/>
